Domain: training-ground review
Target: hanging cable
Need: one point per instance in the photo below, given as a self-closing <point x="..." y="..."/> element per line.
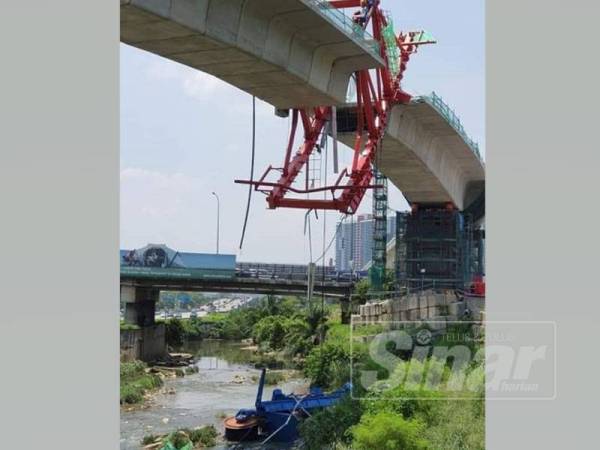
<point x="324" y="249"/>
<point x="251" y="170"/>
<point x="332" y="239"/>
<point x="307" y="225"/>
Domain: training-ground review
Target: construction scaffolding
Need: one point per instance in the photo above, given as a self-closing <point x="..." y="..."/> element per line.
<point x="380" y="206"/>
<point x="400" y="248"/>
<point x="438" y="247"/>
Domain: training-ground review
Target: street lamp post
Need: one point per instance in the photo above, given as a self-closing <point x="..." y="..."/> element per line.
<point x="422" y="278"/>
<point x="218" y="218"/>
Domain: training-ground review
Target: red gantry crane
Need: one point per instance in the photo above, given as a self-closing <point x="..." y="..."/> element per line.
<point x="377" y="91"/>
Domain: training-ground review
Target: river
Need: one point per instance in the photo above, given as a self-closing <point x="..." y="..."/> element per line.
<point x="201" y="398"/>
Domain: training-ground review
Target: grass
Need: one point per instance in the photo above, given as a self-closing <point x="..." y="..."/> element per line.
<point x="135" y="382"/>
<point x="128" y="326"/>
<point x="205" y="436"/>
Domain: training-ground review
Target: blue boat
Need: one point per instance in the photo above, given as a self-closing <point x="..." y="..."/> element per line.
<point x="277" y="419"/>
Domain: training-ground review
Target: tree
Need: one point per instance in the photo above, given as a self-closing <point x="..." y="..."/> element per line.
<point x="270" y="330"/>
<point x="361" y="292"/>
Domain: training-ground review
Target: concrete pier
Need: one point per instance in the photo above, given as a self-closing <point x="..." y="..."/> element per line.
<point x="148" y="342"/>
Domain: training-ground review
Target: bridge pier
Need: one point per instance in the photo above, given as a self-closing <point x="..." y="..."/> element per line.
<point x="140" y="304"/>
<point x="148" y="342"/>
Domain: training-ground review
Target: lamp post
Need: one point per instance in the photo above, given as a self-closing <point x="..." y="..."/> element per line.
<point x="422" y="278"/>
<point x="218" y="218"/>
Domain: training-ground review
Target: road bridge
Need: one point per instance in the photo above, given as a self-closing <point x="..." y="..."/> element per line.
<point x="140" y="295"/>
<point x="147" y="271"/>
<point x="273" y="286"/>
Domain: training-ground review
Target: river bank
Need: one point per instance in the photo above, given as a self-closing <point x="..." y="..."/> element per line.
<point x="225" y="382"/>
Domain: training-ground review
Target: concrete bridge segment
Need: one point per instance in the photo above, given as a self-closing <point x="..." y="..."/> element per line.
<point x="289" y="53"/>
<point x="425" y="153"/>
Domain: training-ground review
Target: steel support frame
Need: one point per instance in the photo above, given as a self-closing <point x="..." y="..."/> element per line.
<point x="374" y="99"/>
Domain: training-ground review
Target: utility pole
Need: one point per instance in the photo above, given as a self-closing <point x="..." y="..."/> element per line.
<point x="218" y="219"/>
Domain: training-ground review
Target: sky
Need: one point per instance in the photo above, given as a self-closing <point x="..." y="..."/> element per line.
<point x="186" y="134"/>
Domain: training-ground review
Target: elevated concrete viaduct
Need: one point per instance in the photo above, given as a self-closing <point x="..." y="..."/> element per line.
<point x="289" y="53"/>
<point x="425" y="153"/>
<point x="299" y="53"/>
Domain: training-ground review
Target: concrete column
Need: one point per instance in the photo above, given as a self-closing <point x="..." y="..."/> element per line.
<point x="140" y="304"/>
<point x="140" y="308"/>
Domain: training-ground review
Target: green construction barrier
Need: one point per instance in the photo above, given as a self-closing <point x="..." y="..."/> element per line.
<point x="391" y="46"/>
<point x="376" y="278"/>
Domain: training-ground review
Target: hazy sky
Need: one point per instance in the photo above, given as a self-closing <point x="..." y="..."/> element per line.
<point x="185" y="134"/>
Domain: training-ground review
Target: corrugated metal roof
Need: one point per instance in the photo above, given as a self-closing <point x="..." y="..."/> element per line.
<point x="183" y="259"/>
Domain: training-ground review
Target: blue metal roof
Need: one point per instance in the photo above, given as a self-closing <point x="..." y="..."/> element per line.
<point x="176" y="259"/>
<point x="207" y="261"/>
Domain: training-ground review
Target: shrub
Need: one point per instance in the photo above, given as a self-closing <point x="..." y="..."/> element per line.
<point x="399" y="401"/>
<point x="297" y="336"/>
<point x="328" y="427"/>
<point x="175" y="332"/>
<point x="457" y="425"/>
<point x="328" y="365"/>
<point x="179" y="439"/>
<point x="272" y="378"/>
<point x="206" y="436"/>
<point x="130" y="395"/>
<point x="387" y="431"/>
<point x="131" y="370"/>
<point x="135" y="382"/>
<point x="150" y="439"/>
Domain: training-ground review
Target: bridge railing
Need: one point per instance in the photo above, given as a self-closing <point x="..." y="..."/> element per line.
<point x="345" y="23"/>
<point x="290" y="272"/>
<point x="448" y="113"/>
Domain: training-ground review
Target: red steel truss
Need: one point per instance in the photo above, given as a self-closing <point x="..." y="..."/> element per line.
<point x="377" y="91"/>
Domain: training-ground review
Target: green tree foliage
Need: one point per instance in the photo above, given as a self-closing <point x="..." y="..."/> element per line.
<point x="361" y="292"/>
<point x="329" y="427"/>
<point x="328" y="365"/>
<point x="293" y="334"/>
<point x="271" y="331"/>
<point x="388" y="431"/>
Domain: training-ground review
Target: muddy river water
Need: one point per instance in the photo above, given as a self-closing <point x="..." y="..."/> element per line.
<point x="202" y="398"/>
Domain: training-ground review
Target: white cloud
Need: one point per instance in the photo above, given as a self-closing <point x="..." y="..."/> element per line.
<point x="204" y="87"/>
<point x="152" y="179"/>
<point x="194" y="83"/>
